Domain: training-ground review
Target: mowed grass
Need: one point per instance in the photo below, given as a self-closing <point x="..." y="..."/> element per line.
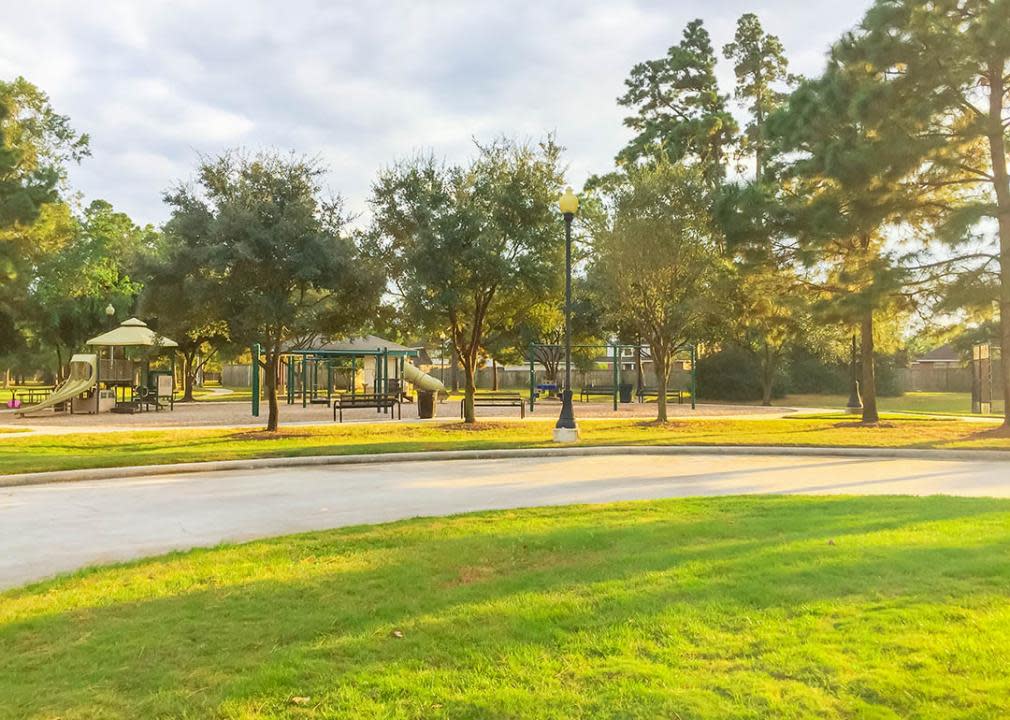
<point x="34" y="453"/>
<point x="784" y="607"/>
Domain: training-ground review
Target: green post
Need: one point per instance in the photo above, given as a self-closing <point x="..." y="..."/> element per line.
<point x="354" y="375"/>
<point x="694" y="378"/>
<point x="291" y="379"/>
<point x="305" y="381"/>
<point x="385" y="374"/>
<point x="533" y="380"/>
<point x="255" y="379"/>
<point x="617" y="371"/>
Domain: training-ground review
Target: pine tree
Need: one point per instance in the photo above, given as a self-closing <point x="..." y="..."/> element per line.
<point x="844" y="194"/>
<point x="770" y="317"/>
<point x="679" y="111"/>
<point x="762" y="77"/>
<point x="945" y="67"/>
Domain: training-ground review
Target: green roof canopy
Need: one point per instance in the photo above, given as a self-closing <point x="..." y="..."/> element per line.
<point x="134" y="333"/>
<point x="360" y="346"/>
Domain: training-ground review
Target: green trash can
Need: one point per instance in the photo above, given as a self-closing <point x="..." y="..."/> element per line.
<point x="625" y="392"/>
<point x="426" y="404"/>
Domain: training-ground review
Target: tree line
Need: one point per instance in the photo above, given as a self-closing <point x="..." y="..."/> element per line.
<point x="784" y="211"/>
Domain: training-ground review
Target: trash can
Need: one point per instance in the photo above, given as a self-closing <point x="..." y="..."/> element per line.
<point x="625" y="392"/>
<point x="425" y="404"/>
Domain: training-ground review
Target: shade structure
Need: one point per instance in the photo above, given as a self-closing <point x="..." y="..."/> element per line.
<point x="132" y="333"/>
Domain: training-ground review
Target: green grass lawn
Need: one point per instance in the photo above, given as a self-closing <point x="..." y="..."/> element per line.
<point x="784" y="607"/>
<point x="34" y="453"/>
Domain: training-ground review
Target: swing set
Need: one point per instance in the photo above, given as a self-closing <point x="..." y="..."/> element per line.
<point x="615" y="354"/>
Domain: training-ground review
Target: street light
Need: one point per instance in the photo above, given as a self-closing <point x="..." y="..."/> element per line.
<point x="566" y="430"/>
<point x="110" y="312"/>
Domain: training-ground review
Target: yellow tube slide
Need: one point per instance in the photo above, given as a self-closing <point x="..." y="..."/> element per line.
<point x="420" y="380"/>
<point x="83" y="372"/>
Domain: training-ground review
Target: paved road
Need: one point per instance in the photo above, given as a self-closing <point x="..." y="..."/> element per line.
<point x="47" y="529"/>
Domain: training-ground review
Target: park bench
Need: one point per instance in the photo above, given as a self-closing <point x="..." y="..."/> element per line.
<point x="378" y="401"/>
<point x="590" y="390"/>
<point x="650" y="392"/>
<point x="496" y="400"/>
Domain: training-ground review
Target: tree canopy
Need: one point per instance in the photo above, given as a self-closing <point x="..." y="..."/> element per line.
<point x="459" y="241"/>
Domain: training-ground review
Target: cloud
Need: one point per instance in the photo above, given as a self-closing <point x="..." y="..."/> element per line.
<point x="358" y="84"/>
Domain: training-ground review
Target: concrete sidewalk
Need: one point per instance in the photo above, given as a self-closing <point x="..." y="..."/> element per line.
<point x="47" y="529"/>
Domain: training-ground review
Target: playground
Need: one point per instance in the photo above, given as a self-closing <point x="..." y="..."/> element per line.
<point x="236" y="413"/>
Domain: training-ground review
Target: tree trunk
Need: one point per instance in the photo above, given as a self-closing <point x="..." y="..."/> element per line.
<point x="767" y="375"/>
<point x="59" y="365"/>
<point x="274" y="414"/>
<point x="454" y="374"/>
<point x="494" y="374"/>
<point x="469" y="371"/>
<point x="1001" y="182"/>
<point x="188" y="376"/>
<point x="869" y="376"/>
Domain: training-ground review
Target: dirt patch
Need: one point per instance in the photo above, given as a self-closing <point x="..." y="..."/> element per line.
<point x="267" y="435"/>
<point x="999" y="432"/>
<point x="477" y="427"/>
<point x="859" y="424"/>
<point x="469" y="574"/>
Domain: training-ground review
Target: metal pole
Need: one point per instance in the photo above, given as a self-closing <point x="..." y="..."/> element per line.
<point x="694" y="378"/>
<point x="616" y="371"/>
<point x="255" y="380"/>
<point x="533" y="378"/>
<point x="567" y="419"/>
<point x="305" y="380"/>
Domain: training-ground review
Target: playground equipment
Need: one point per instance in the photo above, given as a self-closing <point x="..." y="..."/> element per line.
<point x="982" y="356"/>
<point x="384" y="367"/>
<point x="619" y="391"/>
<point x="113" y="381"/>
<point x="83" y="379"/>
<point x="421" y="380"/>
<point x="129" y="381"/>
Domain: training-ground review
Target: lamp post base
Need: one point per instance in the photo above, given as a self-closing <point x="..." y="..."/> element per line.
<point x="566" y="435"/>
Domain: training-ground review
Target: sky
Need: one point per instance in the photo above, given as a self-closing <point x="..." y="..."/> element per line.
<point x="158" y="84"/>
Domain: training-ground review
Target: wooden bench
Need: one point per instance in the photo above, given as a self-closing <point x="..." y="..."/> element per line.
<point x="379" y="401"/>
<point x="679" y="395"/>
<point x="590" y="390"/>
<point x="495" y="400"/>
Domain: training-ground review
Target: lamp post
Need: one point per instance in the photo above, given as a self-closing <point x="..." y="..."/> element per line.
<point x="855" y="404"/>
<point x="110" y="313"/>
<point x="566" y="430"/>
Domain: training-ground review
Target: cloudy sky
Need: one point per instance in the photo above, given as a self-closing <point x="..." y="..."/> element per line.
<point x="158" y="83"/>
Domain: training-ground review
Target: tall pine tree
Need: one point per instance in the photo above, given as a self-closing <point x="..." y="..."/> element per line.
<point x="678" y="110"/>
<point x="946" y="69"/>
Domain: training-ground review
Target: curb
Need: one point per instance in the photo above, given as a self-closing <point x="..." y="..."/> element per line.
<point x="62" y="476"/>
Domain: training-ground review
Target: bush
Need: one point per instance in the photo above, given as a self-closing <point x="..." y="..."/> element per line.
<point x="733" y="374"/>
<point x="807" y="373"/>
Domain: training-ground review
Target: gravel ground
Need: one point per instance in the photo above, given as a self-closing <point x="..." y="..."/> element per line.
<point x="215" y="414"/>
